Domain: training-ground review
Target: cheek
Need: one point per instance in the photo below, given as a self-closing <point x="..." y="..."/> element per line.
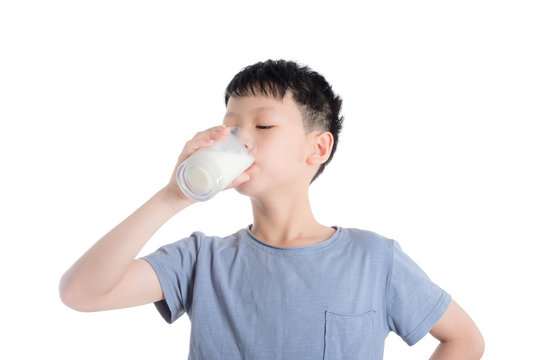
<point x="281" y="156"/>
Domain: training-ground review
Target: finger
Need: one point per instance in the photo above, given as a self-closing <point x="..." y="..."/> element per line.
<point x="203" y="139"/>
<point x="219" y="132"/>
<point x="207" y="137"/>
<point x="216" y="131"/>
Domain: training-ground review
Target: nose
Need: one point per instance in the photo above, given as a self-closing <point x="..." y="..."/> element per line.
<point x="246" y="138"/>
<point x="250" y="145"/>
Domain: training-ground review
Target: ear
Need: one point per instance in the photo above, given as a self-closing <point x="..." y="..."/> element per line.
<point x="320" y="147"/>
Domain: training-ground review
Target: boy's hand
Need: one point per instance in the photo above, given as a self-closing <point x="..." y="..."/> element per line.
<point x="202" y="139"/>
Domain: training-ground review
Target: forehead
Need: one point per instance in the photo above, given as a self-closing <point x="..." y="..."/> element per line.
<point x="248" y="106"/>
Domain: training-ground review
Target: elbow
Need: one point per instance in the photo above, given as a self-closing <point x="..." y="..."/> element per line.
<point x="475" y="346"/>
<point x="480" y="346"/>
<point x="72" y="298"/>
<point x="464" y="348"/>
<point x="69" y="298"/>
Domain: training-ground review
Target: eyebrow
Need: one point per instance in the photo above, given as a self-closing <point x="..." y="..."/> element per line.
<point x="255" y="110"/>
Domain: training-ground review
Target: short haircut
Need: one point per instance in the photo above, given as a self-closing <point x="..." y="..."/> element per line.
<point x="319" y="105"/>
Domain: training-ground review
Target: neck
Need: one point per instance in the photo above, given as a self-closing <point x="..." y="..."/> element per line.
<point x="287" y="220"/>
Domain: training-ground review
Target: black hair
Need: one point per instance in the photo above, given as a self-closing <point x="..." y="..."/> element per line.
<point x="319" y="105"/>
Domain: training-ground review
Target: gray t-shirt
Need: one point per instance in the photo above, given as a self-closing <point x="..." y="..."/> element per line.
<point x="337" y="299"/>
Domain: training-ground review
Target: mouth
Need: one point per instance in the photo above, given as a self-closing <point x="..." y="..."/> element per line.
<point x="250" y="167"/>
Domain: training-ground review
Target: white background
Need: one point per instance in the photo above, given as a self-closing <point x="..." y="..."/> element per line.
<point x="438" y="151"/>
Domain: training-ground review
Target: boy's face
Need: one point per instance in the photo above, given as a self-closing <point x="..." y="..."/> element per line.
<point x="282" y="144"/>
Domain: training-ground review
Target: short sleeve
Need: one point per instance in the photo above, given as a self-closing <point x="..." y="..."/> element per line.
<point x="174" y="265"/>
<point x="414" y="303"/>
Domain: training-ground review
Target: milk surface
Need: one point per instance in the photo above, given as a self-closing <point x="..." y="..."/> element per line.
<point x="227" y="166"/>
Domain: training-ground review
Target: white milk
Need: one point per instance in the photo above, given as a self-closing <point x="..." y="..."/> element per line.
<point x="226" y="165"/>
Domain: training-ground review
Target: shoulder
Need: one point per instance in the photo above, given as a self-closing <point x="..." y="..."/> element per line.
<point x="199" y="241"/>
<point x="193" y="243"/>
<point x="368" y="241"/>
<point x="215" y="243"/>
<point x="368" y="238"/>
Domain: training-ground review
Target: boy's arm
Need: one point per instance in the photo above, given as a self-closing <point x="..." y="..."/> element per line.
<point x="107" y="276"/>
<point x="459" y="336"/>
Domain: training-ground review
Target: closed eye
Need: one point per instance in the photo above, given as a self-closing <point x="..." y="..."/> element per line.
<point x="264" y="127"/>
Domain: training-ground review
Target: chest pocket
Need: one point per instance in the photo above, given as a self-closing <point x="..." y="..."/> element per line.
<point x="348" y="336"/>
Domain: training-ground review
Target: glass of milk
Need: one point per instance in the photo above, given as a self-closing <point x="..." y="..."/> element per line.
<point x="209" y="170"/>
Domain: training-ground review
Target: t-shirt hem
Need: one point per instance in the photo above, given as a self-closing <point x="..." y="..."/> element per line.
<point x="424" y="327"/>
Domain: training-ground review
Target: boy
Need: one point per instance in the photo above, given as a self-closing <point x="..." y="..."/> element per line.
<point x="285" y="287"/>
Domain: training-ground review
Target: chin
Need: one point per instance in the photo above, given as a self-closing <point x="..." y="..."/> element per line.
<point x="243" y="190"/>
<point x="247" y="188"/>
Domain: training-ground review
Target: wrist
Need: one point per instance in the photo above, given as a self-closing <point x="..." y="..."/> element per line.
<point x="174" y="198"/>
